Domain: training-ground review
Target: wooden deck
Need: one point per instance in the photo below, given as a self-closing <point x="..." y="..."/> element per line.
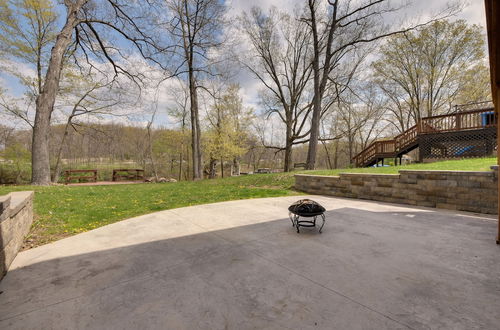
<point x="472" y="123"/>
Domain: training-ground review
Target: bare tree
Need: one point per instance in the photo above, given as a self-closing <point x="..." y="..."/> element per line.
<point x="180" y="111"/>
<point x="86" y="23"/>
<point x="196" y="26"/>
<point x="46" y="99"/>
<point x="281" y="51"/>
<point x="423" y="72"/>
<point x="338" y="28"/>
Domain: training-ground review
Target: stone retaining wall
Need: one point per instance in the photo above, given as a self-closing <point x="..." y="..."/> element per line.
<point x="16" y="217"/>
<point x="454" y="190"/>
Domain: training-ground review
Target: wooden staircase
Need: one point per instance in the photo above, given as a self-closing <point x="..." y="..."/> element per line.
<point x="405" y="142"/>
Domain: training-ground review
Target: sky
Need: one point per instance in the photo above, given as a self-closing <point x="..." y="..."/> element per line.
<point x="250" y="87"/>
<point x="473" y="13"/>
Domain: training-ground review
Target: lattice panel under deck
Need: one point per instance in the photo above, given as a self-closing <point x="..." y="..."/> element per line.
<point x="472" y="143"/>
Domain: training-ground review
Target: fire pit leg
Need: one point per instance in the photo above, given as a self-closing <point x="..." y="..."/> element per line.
<point x="294" y="218"/>
<point x="323" y="217"/>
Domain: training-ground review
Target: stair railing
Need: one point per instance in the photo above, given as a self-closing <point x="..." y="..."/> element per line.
<point x="458" y="121"/>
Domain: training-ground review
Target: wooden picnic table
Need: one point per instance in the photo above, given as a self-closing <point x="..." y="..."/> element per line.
<point x="69" y="175"/>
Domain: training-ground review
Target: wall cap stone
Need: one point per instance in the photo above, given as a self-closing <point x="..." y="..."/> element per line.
<point x="449" y="172"/>
<point x="317" y="176"/>
<point x="378" y="175"/>
<point x="4" y="207"/>
<point x="18" y="200"/>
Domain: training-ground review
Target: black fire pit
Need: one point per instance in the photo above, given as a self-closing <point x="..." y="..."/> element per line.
<point x="306" y="208"/>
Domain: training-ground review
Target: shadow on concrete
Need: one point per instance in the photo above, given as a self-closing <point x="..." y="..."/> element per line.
<point x="4" y="217"/>
<point x="368" y="270"/>
<point x="3" y="266"/>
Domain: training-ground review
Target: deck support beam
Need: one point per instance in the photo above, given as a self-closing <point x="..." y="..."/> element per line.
<point x="493" y="26"/>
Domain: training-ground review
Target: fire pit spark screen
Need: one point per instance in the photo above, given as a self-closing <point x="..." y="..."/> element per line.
<point x="306" y="208"/>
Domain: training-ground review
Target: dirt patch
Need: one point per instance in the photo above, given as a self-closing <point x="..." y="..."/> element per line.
<point x="39" y="235"/>
<point x="265" y="187"/>
<point x="103" y="183"/>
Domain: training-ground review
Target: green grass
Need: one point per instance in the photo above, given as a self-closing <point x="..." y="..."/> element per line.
<point x="66" y="210"/>
<point x="473" y="164"/>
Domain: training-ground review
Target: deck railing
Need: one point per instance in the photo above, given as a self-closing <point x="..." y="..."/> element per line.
<point x="459" y="121"/>
<point x="406" y="138"/>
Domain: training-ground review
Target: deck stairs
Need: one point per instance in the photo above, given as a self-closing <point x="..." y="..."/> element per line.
<point x="467" y="122"/>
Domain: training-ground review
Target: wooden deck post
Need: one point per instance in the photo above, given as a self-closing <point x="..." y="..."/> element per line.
<point x="493" y="26"/>
<point x="458" y="122"/>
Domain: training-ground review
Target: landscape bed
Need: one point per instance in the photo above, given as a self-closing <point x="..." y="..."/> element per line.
<point x="62" y="211"/>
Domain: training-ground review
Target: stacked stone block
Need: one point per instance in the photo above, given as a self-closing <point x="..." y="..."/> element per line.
<point x="454" y="190"/>
<point x="16" y="217"/>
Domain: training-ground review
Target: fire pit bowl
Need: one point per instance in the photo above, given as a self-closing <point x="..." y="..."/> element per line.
<point x="306" y="208"/>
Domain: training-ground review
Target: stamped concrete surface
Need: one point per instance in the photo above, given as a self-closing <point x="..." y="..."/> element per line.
<point x="240" y="265"/>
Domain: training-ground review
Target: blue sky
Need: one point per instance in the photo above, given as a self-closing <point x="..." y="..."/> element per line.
<point x="473" y="13"/>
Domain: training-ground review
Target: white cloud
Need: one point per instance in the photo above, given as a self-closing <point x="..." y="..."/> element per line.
<point x="250" y="86"/>
<point x="475" y="13"/>
<point x="416" y="11"/>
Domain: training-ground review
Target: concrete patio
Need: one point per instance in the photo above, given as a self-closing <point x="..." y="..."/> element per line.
<point x="241" y="265"/>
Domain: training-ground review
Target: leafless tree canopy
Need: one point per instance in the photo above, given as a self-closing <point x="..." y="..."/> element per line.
<point x="171" y="79"/>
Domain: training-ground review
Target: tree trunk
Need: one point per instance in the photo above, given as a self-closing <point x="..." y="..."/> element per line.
<point x="336" y="155"/>
<point x="151" y="156"/>
<point x="221" y="168"/>
<point x="195" y="129"/>
<point x="236" y="166"/>
<point x="288" y="145"/>
<point x="180" y="164"/>
<point x="57" y="169"/>
<point x="212" y="171"/>
<point x="186" y="176"/>
<point x="314" y="137"/>
<point x="350" y="139"/>
<point x="328" y="158"/>
<point x="320" y="75"/>
<point x="40" y="161"/>
<point x="181" y="153"/>
<point x="288" y="157"/>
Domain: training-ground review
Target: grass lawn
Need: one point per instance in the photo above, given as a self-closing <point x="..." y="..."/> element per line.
<point x="473" y="164"/>
<point x="67" y="210"/>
